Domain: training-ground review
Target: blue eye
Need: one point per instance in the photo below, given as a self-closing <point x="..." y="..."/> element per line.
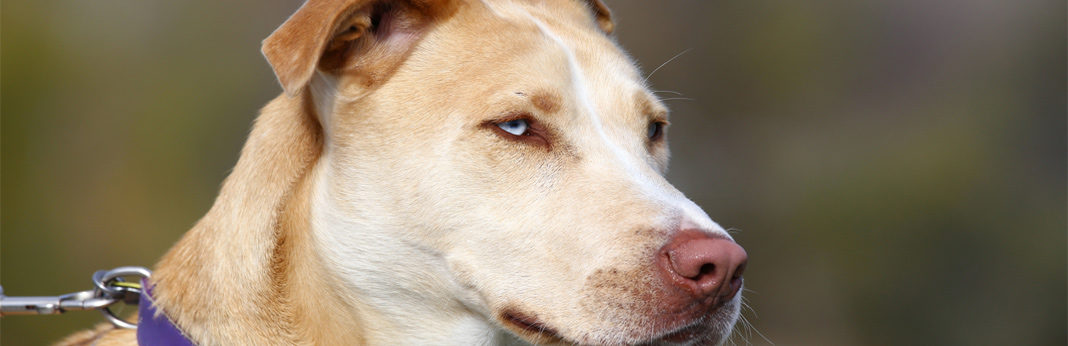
<point x="516" y="127"/>
<point x="656" y="130"/>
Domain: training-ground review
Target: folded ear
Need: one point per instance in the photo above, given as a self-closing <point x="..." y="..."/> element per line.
<point x="346" y="34"/>
<point x="604" y="16"/>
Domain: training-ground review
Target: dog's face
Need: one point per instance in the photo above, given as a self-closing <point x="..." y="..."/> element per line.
<point x="508" y="157"/>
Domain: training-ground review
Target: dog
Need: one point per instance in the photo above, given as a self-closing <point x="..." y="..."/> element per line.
<point x="451" y="172"/>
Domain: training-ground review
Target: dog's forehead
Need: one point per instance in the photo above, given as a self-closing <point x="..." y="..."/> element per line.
<point x="550" y="55"/>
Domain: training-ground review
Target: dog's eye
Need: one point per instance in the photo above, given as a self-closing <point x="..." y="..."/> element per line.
<point x="521" y="128"/>
<point x="656" y="130"/>
<point x="516" y="127"/>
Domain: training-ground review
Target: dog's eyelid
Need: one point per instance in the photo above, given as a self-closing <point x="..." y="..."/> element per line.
<point x="660" y="116"/>
<point x="512" y="116"/>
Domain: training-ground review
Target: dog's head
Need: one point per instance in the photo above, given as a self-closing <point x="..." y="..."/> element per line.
<point x="505" y="157"/>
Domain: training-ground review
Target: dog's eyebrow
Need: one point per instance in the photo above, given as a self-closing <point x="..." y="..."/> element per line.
<point x="544" y="101"/>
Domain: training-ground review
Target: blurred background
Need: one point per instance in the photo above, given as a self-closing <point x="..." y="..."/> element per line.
<point x="895" y="168"/>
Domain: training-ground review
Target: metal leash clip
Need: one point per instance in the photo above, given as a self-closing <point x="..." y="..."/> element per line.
<point x="110" y="287"/>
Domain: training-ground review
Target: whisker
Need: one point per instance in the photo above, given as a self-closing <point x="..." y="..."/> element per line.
<point x="762" y="336"/>
<point x="667" y="91"/>
<point x="734" y="230"/>
<point x="748" y="329"/>
<point x="677" y="98"/>
<point x="650" y="75"/>
<point x="749" y="325"/>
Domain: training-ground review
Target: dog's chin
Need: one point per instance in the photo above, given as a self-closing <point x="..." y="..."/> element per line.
<point x="700" y="333"/>
<point x="710" y="329"/>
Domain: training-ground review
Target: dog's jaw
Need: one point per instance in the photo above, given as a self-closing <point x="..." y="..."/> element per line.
<point x="395" y="282"/>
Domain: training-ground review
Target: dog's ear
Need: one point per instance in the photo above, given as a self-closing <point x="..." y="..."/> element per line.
<point x="604" y="16"/>
<point x="335" y="35"/>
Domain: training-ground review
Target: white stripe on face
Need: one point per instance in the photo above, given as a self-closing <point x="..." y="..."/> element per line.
<point x="693" y="216"/>
<point x="491" y="8"/>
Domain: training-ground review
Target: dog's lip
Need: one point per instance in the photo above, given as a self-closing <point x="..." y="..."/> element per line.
<point x="543" y="334"/>
<point x="531" y="325"/>
<point x="690" y="324"/>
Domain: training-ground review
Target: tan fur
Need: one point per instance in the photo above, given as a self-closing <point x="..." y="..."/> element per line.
<point x="384" y="143"/>
<point x="239" y="236"/>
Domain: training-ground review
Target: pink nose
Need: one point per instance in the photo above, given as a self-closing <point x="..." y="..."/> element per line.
<point x="708" y="266"/>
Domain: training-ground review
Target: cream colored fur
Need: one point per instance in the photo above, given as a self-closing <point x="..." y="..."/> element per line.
<point x="374" y="203"/>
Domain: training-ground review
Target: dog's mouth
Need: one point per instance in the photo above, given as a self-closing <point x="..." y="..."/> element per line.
<point x="531" y="326"/>
<point x="539" y="332"/>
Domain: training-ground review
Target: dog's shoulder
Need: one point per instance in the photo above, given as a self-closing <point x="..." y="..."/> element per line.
<point x="104" y="334"/>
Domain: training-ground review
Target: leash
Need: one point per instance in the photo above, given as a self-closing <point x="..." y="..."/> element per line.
<point x="110" y="287"/>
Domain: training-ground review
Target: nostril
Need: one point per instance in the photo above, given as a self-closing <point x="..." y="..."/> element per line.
<point x="706" y="270"/>
<point x="706" y="265"/>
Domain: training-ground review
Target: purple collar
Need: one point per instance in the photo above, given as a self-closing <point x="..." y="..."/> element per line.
<point x="156" y="328"/>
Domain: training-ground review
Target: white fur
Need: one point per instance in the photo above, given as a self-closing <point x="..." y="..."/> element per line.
<point x="637" y="170"/>
<point x="400" y="282"/>
<point x="323" y="87"/>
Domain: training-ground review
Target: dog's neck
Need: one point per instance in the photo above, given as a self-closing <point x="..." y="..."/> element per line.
<point x="247" y="272"/>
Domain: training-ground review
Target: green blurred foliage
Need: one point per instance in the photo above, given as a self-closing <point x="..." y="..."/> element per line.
<point x="896" y="169"/>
